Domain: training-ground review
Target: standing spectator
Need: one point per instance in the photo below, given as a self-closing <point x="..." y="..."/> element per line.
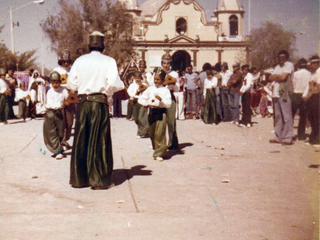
<point x="224" y="91"/>
<point x="300" y="82"/>
<point x="246" y="96"/>
<point x="131" y="102"/>
<point x="255" y="93"/>
<point x="21" y="97"/>
<point x="311" y="96"/>
<point x="210" y="83"/>
<point x="266" y="99"/>
<point x="171" y="111"/>
<point x="95" y="76"/>
<point x="179" y="96"/>
<point x="5" y="91"/>
<point x="216" y="72"/>
<point x="13" y="84"/>
<point x="282" y="90"/>
<point x="235" y="83"/>
<point x="191" y="89"/>
<point x="200" y="83"/>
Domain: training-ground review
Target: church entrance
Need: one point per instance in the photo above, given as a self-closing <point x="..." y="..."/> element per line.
<point x="180" y="60"/>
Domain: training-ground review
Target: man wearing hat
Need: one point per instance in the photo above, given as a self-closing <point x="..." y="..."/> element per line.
<point x="166" y="61"/>
<point x="63" y="69"/>
<point x="235" y="83"/>
<point x="94" y="76"/>
<point x="311" y="96"/>
<point x="300" y="82"/>
<point x="282" y="91"/>
<point x="4" y="92"/>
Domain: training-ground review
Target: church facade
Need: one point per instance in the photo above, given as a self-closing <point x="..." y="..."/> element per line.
<point x="181" y="28"/>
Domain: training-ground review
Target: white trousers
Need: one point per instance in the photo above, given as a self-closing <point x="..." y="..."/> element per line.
<point x="180" y="105"/>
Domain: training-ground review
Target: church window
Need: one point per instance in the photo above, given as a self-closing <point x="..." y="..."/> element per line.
<point x="181" y="26"/>
<point x="233" y="24"/>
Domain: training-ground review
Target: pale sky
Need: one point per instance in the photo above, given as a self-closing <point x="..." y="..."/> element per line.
<point x="302" y="16"/>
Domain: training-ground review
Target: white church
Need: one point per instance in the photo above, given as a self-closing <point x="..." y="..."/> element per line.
<point x="181" y="28"/>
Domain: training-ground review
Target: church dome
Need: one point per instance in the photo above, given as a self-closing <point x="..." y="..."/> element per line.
<point x="229" y="5"/>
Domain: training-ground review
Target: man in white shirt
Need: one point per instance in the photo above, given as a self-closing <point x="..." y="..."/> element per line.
<point x="282" y="91"/>
<point x="311" y="96"/>
<point x="246" y="96"/>
<point x="300" y="82"/>
<point x="224" y="91"/>
<point x="94" y="76"/>
<point x="4" y="92"/>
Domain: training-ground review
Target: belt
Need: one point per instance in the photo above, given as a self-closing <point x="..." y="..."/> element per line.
<point x="157" y="110"/>
<point x="95" y="97"/>
<point x="55" y="111"/>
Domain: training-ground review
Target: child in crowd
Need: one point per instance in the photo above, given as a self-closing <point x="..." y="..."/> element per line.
<point x="4" y="92"/>
<point x="139" y="112"/>
<point x="21" y="97"/>
<point x="266" y="99"/>
<point x="158" y="99"/>
<point x="209" y="93"/>
<point x="53" y="126"/>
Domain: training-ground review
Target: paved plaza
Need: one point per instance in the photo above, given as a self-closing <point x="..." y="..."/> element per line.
<point x="227" y="182"/>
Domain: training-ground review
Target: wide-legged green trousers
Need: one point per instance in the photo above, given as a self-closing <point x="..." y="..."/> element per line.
<point x="172" y="125"/>
<point x="210" y="114"/>
<point x="140" y="114"/>
<point x="53" y="130"/>
<point x="157" y="131"/>
<point x="4" y="108"/>
<point x="91" y="159"/>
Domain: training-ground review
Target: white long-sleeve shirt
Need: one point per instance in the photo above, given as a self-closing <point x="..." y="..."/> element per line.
<point x="20" y="94"/>
<point x="150" y="94"/>
<point x="56" y="98"/>
<point x="209" y="84"/>
<point x="95" y="73"/>
<point x="247" y="83"/>
<point x="132" y="90"/>
<point x="3" y="86"/>
<point x="301" y="80"/>
<point x="225" y="76"/>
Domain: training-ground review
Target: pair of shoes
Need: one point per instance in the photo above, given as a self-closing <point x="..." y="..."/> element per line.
<point x="103" y="187"/>
<point x="2" y="123"/>
<point x="159" y="159"/>
<point x="273" y="141"/>
<point x="232" y="122"/>
<point x="249" y="125"/>
<point x="194" y="117"/>
<point x="59" y="156"/>
<point x="242" y="125"/>
<point x="236" y="123"/>
<point x="316" y="145"/>
<point x="138" y="137"/>
<point x="286" y="143"/>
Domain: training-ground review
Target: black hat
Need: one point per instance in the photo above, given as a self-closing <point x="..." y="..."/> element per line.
<point x="96" y="40"/>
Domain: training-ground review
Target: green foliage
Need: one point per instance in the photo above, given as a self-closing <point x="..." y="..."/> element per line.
<point x="267" y="41"/>
<point x="70" y="27"/>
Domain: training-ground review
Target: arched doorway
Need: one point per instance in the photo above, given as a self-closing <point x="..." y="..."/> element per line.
<point x="180" y="60"/>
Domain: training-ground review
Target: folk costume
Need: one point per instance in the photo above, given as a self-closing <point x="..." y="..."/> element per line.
<point x="94" y="76"/>
<point x="12" y="84"/>
<point x="140" y="113"/>
<point x="4" y="107"/>
<point x="172" y="85"/>
<point x="53" y="125"/>
<point x="157" y="116"/>
<point x="209" y="93"/>
<point x="70" y="110"/>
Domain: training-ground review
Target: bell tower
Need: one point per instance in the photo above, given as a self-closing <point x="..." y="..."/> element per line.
<point x="230" y="14"/>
